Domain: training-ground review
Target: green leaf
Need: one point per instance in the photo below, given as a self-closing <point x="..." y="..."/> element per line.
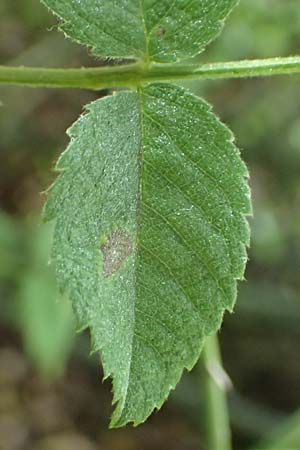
<point x="45" y="319"/>
<point x="150" y="235"/>
<point x="155" y="30"/>
<point x="46" y="323"/>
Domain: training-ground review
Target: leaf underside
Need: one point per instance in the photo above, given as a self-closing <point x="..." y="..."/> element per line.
<point x="155" y="30"/>
<point x="150" y="235"/>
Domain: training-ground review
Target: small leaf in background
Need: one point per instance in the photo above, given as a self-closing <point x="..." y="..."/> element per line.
<point x="150" y="235"/>
<point x="46" y="324"/>
<point x="45" y="318"/>
<point x="161" y="31"/>
<point x="268" y="243"/>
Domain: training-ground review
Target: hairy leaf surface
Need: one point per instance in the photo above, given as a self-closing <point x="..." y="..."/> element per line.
<point x="150" y="235"/>
<point x="156" y="30"/>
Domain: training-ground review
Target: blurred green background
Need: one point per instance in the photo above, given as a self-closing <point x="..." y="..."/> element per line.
<point x="51" y="395"/>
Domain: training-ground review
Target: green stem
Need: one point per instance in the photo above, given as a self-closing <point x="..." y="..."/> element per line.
<point x="215" y="383"/>
<point x="132" y="75"/>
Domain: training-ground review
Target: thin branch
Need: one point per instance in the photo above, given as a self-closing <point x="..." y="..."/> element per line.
<point x="215" y="383"/>
<point x="286" y="436"/>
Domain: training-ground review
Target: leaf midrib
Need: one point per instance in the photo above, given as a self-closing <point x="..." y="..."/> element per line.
<point x="138" y="226"/>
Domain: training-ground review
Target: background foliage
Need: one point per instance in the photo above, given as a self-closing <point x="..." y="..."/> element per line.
<point x="260" y="341"/>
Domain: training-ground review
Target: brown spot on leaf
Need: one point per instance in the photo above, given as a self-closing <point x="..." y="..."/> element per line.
<point x="115" y="250"/>
<point x="160" y="31"/>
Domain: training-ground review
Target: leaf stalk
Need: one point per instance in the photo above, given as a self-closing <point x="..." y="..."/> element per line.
<point x="137" y="73"/>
